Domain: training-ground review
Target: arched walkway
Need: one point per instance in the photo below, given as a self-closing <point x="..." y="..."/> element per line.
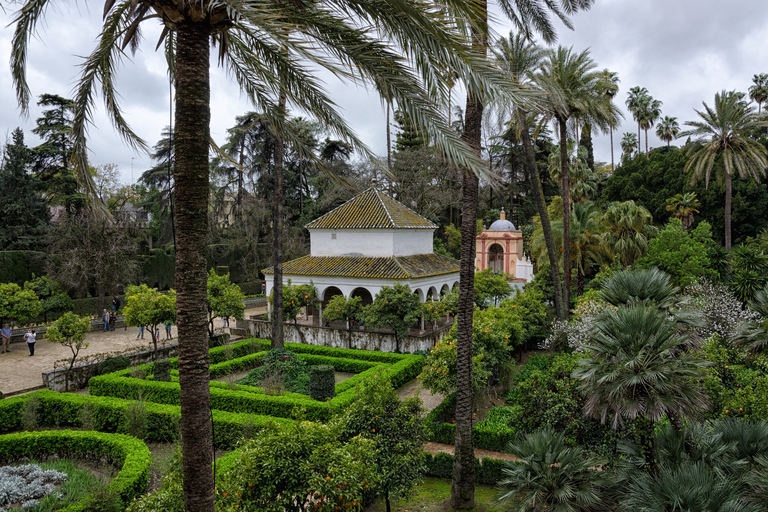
<point x="432" y="293"/>
<point x="445" y="290"/>
<point x="328" y="293"/>
<point x="362" y="293"/>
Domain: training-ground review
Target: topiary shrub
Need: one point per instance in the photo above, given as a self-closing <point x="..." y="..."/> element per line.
<point x="322" y="382"/>
<point x="283" y="365"/>
<point x="161" y="370"/>
<point x="113" y="364"/>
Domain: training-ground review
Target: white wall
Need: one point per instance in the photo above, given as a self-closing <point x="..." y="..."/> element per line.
<point x="409" y="242"/>
<point x="374" y="243"/>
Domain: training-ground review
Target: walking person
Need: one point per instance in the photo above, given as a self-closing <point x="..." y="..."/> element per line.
<point x="6" y="332"/>
<point x="168" y="325"/>
<point x="105" y="318"/>
<point x="112" y="320"/>
<point x="30" y="339"/>
<point x="141" y="332"/>
<point x="116" y="303"/>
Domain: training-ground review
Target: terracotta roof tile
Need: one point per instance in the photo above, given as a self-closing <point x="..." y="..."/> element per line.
<point x="371" y="209"/>
<point x="397" y="267"/>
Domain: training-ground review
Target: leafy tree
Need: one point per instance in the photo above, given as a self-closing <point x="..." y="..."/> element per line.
<point x="69" y="330"/>
<point x="683" y="255"/>
<point x="341" y="308"/>
<point x="24" y="215"/>
<point x="17" y="304"/>
<point x="225" y="299"/>
<point x="394" y="306"/>
<point x="440" y="369"/>
<point x="532" y="310"/>
<point x="550" y="474"/>
<point x="434" y="310"/>
<point x="668" y="129"/>
<point x="490" y="287"/>
<point x="146" y="306"/>
<point x="627" y="231"/>
<point x="52" y="298"/>
<point x="397" y="429"/>
<point x="723" y="144"/>
<point x="758" y="91"/>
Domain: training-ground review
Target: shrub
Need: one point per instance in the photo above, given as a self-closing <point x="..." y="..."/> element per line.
<point x="161" y="370"/>
<point x="113" y="364"/>
<point x="294" y="372"/>
<point x="322" y="382"/>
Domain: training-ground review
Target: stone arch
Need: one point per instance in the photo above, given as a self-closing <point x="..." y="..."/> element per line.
<point x="496" y="258"/>
<point x="363" y="293"/>
<point x="445" y="289"/>
<point x="455" y="285"/>
<point x="432" y="293"/>
<point x="420" y="293"/>
<point x="328" y="293"/>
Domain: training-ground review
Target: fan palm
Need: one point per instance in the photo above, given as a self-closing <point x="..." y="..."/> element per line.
<point x="683" y="206"/>
<point x="272" y="51"/>
<point x="668" y="129"/>
<point x="723" y="145"/>
<point x="609" y="85"/>
<point x="586" y="244"/>
<point x="628" y="145"/>
<point x="758" y="91"/>
<point x="649" y="112"/>
<point x="628" y="226"/>
<point x="754" y="334"/>
<point x="520" y="57"/>
<point x="637" y="369"/>
<point x="570" y="83"/>
<point x="635" y="98"/>
<point x="551" y="475"/>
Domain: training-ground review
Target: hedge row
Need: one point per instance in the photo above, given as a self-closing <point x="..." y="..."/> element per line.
<point x="127" y="453"/>
<point x="487" y="471"/>
<point x="483" y="437"/>
<point x="107" y="414"/>
<point x="246" y="399"/>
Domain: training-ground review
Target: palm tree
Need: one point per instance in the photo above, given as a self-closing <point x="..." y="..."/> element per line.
<point x="520" y="58"/>
<point x="586" y="243"/>
<point x="266" y="50"/>
<point x="629" y="143"/>
<point x="758" y="92"/>
<point x="725" y="146"/>
<point x="649" y="112"/>
<point x="667" y="129"/>
<point x="635" y="98"/>
<point x="609" y="85"/>
<point x="570" y="81"/>
<point x="628" y="227"/>
<point x="583" y="179"/>
<point x="683" y="206"/>
<point x="637" y="369"/>
<point x="550" y="475"/>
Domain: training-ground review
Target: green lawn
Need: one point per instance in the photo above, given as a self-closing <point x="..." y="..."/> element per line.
<point x="433" y="496"/>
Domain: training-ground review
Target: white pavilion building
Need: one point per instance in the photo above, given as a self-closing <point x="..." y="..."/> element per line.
<point x="369" y="242"/>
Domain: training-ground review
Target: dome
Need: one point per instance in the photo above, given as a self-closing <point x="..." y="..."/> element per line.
<point x="502" y="225"/>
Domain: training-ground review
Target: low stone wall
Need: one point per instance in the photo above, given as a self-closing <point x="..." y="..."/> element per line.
<point x="78" y="379"/>
<point x="340" y="338"/>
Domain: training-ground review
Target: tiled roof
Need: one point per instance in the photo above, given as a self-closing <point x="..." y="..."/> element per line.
<point x="371" y="209"/>
<point x="396" y="267"/>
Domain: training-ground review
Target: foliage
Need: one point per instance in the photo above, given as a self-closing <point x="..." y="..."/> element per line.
<point x="681" y="254"/>
<point x="28" y="484"/>
<point x="722" y="312"/>
<point x="397" y="429"/>
<point x="283" y="363"/>
<point x="490" y="288"/>
<point x="146" y="306"/>
<point x="322" y="382"/>
<point x="532" y="311"/>
<point x="753" y="333"/>
<point x="342" y="308"/>
<point x="551" y="475"/>
<point x="575" y="335"/>
<point x="17" y="304"/>
<point x="299" y="467"/>
<point x="496" y="333"/>
<point x="683" y="206"/>
<point x="53" y="299"/>
<point x="113" y="364"/>
<point x="224" y="299"/>
<point x="69" y="330"/>
<point x="394" y="306"/>
<point x="161" y="370"/>
<point x="439" y="373"/>
<point x="296" y="297"/>
<point x="628" y="227"/>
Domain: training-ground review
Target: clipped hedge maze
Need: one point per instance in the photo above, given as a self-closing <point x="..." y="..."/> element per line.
<point x="248" y="354"/>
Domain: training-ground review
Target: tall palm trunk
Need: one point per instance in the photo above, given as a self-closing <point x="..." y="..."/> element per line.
<point x="191" y="178"/>
<point x="646" y="142"/>
<point x="541" y="206"/>
<point x="389" y="151"/>
<point x="728" y="195"/>
<point x="612" y="166"/>
<point x="463" y="477"/>
<point x="566" y="217"/>
<point x="277" y="237"/>
<point x="639" y="139"/>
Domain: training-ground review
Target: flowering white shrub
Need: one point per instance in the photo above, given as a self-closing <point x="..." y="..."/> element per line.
<point x="576" y="334"/>
<point x="24" y="486"/>
<point x="723" y="313"/>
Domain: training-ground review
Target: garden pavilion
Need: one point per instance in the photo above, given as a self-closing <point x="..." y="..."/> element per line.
<point x="500" y="248"/>
<point x="369" y="242"/>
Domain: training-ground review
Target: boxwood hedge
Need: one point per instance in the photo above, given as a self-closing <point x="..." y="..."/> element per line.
<point x="128" y="454"/>
<point x="486" y="436"/>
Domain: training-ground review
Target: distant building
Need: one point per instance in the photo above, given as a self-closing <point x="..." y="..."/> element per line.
<point x="369" y="242"/>
<point x="500" y="248"/>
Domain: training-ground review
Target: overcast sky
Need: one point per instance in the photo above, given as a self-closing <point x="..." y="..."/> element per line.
<point x="682" y="51"/>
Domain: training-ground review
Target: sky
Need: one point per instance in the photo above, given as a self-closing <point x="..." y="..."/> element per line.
<point x="682" y="51"/>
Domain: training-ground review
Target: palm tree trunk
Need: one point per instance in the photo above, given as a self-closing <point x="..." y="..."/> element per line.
<point x="612" y="166"/>
<point x="728" y="194"/>
<point x="191" y="178"/>
<point x="541" y="206"/>
<point x="277" y="238"/>
<point x="566" y="218"/>
<point x="389" y="151"/>
<point x="639" y="149"/>
<point x="646" y="142"/>
<point x="463" y="477"/>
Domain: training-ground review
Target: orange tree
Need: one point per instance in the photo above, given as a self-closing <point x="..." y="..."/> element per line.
<point x="397" y="307"/>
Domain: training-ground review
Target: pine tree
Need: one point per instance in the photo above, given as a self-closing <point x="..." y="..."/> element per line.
<point x="409" y="136"/>
<point x="23" y="213"/>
